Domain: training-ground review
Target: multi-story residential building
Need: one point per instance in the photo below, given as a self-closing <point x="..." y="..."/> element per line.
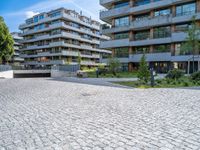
<point x="154" y="27"/>
<point x="16" y="59"/>
<point x="61" y="37"/>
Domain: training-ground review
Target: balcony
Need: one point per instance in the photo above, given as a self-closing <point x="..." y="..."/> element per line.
<point x="153" y="57"/>
<point x="105" y="15"/>
<point x="51" y="62"/>
<point x="114" y="43"/>
<point x="47" y="19"/>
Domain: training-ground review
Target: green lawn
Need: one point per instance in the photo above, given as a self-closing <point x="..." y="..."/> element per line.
<point x="163" y="83"/>
<point x="110" y="75"/>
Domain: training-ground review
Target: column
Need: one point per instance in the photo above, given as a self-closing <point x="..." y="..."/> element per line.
<point x="151" y="33"/>
<point x="173" y="11"/>
<point x="151" y="49"/>
<point x="198" y="5"/>
<point x="132" y="3"/>
<point x="173" y="49"/>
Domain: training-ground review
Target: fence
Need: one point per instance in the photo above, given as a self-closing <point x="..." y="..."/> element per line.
<point x="5" y="68"/>
<point x="67" y="68"/>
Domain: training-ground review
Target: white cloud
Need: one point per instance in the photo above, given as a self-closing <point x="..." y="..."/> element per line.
<point x="30" y="14"/>
<point x="88" y="7"/>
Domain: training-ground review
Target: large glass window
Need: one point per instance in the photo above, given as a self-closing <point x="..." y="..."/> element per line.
<point x="142" y="35"/>
<point x="182" y="27"/>
<point x="142" y="17"/>
<point x="162" y="32"/>
<point x="186" y="9"/>
<point x="178" y="50"/>
<point x="142" y="2"/>
<point x="162" y="48"/>
<point x="122" y="35"/>
<point x="35" y="19"/>
<point x="120" y="22"/>
<point x="121" y="4"/>
<point x="54" y="14"/>
<point x="122" y="52"/>
<point x="162" y="12"/>
<point x="142" y="50"/>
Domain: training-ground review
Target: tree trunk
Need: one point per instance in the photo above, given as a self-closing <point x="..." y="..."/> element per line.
<point x="3" y="60"/>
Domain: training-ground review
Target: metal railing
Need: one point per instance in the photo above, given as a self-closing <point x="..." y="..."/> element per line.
<point x="5" y="68"/>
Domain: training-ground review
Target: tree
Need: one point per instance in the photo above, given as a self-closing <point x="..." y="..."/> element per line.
<point x="114" y="65"/>
<point x="192" y="42"/>
<point x="143" y="72"/>
<point x="6" y="42"/>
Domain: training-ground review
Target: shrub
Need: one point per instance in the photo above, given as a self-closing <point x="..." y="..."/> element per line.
<point x="195" y="76"/>
<point x="174" y="74"/>
<point x="143" y="72"/>
<point x="186" y="84"/>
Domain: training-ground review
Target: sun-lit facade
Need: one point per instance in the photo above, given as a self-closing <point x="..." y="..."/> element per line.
<point x="154" y="27"/>
<point x="61" y="37"/>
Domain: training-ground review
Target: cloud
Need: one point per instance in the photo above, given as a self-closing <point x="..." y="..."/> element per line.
<point x="30" y="14"/>
<point x="88" y="7"/>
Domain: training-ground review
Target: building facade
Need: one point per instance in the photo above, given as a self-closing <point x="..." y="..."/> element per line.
<point x="16" y="59"/>
<point x="61" y="37"/>
<point x="154" y="27"/>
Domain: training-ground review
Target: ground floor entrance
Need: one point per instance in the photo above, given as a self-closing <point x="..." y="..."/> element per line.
<point x="164" y="67"/>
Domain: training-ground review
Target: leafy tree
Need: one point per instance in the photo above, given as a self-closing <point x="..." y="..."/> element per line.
<point x="143" y="72"/>
<point x="114" y="65"/>
<point x="6" y="42"/>
<point x="192" y="41"/>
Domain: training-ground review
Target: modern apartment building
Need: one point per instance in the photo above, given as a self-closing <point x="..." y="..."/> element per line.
<point x="16" y="59"/>
<point x="61" y="37"/>
<point x="154" y="27"/>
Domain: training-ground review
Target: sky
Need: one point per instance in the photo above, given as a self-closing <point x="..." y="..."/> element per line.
<point x="15" y="12"/>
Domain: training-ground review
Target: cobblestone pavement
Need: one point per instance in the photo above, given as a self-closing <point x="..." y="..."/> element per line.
<point x="47" y="114"/>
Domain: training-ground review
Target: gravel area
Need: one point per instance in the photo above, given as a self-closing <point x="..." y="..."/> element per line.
<point x="60" y="114"/>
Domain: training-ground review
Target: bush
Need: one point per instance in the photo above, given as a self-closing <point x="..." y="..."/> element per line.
<point x="174" y="74"/>
<point x="185" y="84"/>
<point x="195" y="76"/>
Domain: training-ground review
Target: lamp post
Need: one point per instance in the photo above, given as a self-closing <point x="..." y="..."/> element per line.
<point x="152" y="77"/>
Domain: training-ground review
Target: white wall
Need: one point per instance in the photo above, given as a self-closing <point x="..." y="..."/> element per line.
<point x="6" y="74"/>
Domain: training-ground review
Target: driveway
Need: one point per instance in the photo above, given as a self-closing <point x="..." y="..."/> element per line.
<point x="60" y="114"/>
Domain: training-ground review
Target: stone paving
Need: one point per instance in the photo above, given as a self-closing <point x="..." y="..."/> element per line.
<point x="49" y="114"/>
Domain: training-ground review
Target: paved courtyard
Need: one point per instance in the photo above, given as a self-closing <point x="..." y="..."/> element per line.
<point x="55" y="114"/>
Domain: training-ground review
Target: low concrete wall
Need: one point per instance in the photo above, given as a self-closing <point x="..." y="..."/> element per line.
<point x="57" y="74"/>
<point x="6" y="74"/>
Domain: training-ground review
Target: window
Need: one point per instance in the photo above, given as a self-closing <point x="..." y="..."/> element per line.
<point x="142" y="50"/>
<point x="55" y="14"/>
<point x="178" y="50"/>
<point x="29" y="21"/>
<point x="121" y="35"/>
<point x="41" y="17"/>
<point x="182" y="27"/>
<point x="162" y="32"/>
<point x="162" y="48"/>
<point x="163" y="12"/>
<point x="120" y="22"/>
<point x="142" y="35"/>
<point x="186" y="9"/>
<point x="121" y="4"/>
<point x="142" y="17"/>
<point x="35" y="19"/>
<point x="122" y="52"/>
<point x="142" y="2"/>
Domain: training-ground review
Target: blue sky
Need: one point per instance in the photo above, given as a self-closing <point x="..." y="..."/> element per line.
<point x="16" y="11"/>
